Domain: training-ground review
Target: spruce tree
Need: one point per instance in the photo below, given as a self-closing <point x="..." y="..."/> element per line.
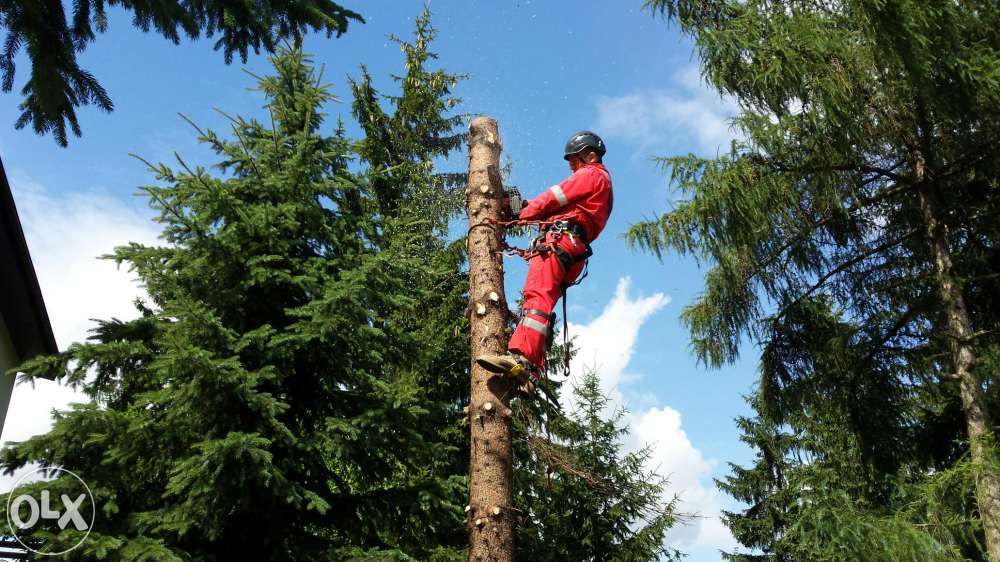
<point x="580" y="496"/>
<point x="763" y="486"/>
<point x="864" y="175"/>
<point x="839" y="458"/>
<point x="400" y="147"/>
<point x="263" y="406"/>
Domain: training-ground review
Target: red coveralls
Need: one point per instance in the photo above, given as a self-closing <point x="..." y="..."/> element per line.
<point x="584" y="198"/>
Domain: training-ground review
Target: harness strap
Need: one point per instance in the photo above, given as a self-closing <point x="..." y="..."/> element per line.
<point x="567" y="260"/>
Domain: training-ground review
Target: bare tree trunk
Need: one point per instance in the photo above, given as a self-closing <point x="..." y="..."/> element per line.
<point x="977" y="417"/>
<point x="491" y="534"/>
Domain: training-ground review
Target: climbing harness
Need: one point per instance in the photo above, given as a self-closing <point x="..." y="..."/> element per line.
<point x="538" y="247"/>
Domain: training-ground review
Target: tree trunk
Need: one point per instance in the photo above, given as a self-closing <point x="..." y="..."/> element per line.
<point x="490" y="521"/>
<point x="977" y="417"/>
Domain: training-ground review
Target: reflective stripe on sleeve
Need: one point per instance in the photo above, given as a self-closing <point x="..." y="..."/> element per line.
<point x="535" y="325"/>
<point x="559" y="195"/>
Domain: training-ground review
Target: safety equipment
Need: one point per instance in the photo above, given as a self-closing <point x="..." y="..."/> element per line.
<point x="516" y="367"/>
<point x="532" y="389"/>
<point x="573" y="214"/>
<point x="526" y="389"/>
<point x="510" y="364"/>
<point x="511" y="204"/>
<point x="573" y="230"/>
<point x="542" y="289"/>
<point x="542" y="245"/>
<point x="582" y="141"/>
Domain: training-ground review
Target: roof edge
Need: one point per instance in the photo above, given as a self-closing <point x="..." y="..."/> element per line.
<point x="23" y="307"/>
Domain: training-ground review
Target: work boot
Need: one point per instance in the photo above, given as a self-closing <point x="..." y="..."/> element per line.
<point x="509" y="365"/>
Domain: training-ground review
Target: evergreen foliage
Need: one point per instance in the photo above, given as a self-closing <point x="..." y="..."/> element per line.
<point x="270" y="403"/>
<point x="840" y="470"/>
<point x="865" y="134"/>
<point x="581" y="497"/>
<point x="52" y="38"/>
<point x="293" y="387"/>
<point x="416" y="202"/>
<point x="764" y="487"/>
<point x="401" y="146"/>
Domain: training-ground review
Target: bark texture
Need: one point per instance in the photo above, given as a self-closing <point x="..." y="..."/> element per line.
<point x="490" y="521"/>
<point x="960" y="329"/>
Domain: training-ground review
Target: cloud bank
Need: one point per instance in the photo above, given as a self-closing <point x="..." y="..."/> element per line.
<point x="689" y="115"/>
<point x="606" y="346"/>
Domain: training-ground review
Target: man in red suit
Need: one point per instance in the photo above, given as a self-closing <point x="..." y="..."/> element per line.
<point x="578" y="209"/>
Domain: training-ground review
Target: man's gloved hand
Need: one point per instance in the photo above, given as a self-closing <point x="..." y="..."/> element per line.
<point x="524" y="206"/>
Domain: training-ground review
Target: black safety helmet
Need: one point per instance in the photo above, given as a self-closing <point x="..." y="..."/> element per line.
<point x="583" y="140"/>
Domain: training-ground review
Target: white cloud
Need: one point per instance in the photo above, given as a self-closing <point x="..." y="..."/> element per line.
<point x="690" y="114"/>
<point x="607" y="343"/>
<point x="606" y="346"/>
<point x="65" y="234"/>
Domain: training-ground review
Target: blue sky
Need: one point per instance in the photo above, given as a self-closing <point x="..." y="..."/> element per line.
<point x="543" y="70"/>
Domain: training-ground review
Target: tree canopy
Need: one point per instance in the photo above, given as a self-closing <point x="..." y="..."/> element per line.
<point x="850" y="232"/>
<point x="52" y="39"/>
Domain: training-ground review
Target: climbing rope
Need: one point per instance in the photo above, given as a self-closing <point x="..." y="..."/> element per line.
<point x="535" y="249"/>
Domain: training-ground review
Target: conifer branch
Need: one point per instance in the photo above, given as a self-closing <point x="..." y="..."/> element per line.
<point x="844" y="267"/>
<point x="237" y="128"/>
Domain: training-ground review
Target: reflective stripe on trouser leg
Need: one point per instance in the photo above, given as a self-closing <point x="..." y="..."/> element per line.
<point x="530" y="339"/>
<point x="540" y="327"/>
